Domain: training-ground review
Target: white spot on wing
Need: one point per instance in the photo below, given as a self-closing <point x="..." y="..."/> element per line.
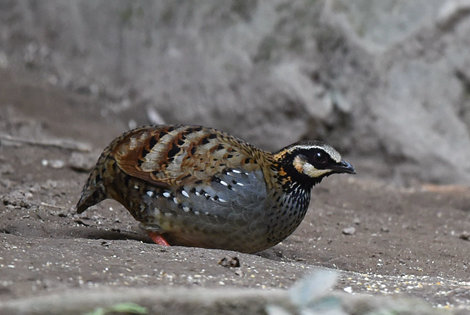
<point x="133" y="143"/>
<point x="149" y="193"/>
<point x="223" y="183"/>
<point x="184" y="193"/>
<point x="166" y="194"/>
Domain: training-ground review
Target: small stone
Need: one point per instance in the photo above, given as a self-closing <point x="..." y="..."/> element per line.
<point x="35" y="188"/>
<point x="465" y="236"/>
<point x="6" y="183"/>
<point x="78" y="221"/>
<point x="357" y="221"/>
<point x="6" y="169"/>
<point x="51" y="184"/>
<point x="82" y="162"/>
<point x="154" y="117"/>
<point x="384" y="229"/>
<point x="57" y="163"/>
<point x="349" y="230"/>
<point x="232" y="262"/>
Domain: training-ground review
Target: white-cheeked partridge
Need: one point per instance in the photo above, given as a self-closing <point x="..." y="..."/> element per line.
<point x="197" y="186"/>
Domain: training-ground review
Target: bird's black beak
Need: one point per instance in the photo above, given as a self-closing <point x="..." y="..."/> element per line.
<point x="343" y="167"/>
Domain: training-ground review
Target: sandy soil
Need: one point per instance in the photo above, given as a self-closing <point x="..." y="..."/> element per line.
<point x="388" y="239"/>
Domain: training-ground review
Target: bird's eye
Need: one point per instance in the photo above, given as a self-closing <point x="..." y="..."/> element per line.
<point x="320" y="158"/>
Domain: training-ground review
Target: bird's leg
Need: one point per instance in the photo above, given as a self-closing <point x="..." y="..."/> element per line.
<point x="158" y="239"/>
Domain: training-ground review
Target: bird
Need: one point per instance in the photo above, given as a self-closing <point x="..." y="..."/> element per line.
<point x="196" y="186"/>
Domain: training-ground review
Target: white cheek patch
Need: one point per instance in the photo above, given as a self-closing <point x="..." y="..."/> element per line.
<point x="310" y="170"/>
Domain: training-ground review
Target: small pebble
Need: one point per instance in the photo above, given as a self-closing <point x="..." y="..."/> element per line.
<point x="239" y="272"/>
<point x="81" y="162"/>
<point x="229" y="262"/>
<point x="6" y="169"/>
<point x="465" y="236"/>
<point x="53" y="163"/>
<point x="349" y="230"/>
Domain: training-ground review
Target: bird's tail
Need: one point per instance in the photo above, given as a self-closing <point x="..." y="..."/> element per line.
<point x="94" y="190"/>
<point x="92" y="193"/>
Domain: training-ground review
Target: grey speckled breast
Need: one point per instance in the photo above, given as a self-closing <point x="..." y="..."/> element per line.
<point x="234" y="206"/>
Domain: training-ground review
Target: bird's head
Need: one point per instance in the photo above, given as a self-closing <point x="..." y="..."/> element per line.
<point x="308" y="162"/>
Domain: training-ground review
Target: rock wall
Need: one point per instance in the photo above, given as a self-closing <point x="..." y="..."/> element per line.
<point x="386" y="82"/>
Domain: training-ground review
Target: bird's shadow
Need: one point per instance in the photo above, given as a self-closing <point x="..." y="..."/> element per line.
<point x="111" y="235"/>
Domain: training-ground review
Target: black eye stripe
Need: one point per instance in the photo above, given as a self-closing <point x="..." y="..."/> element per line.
<point x="319" y="158"/>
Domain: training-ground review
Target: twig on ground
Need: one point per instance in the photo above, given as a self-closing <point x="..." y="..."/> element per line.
<point x="45" y="204"/>
<point x="55" y="143"/>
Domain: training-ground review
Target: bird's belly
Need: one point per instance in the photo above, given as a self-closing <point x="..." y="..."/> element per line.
<point x="200" y="222"/>
<point x="238" y="229"/>
<point x="243" y="239"/>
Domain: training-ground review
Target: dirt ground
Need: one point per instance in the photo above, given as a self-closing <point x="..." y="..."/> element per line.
<point x="387" y="239"/>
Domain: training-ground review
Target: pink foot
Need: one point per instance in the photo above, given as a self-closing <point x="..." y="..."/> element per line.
<point x="158" y="239"/>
